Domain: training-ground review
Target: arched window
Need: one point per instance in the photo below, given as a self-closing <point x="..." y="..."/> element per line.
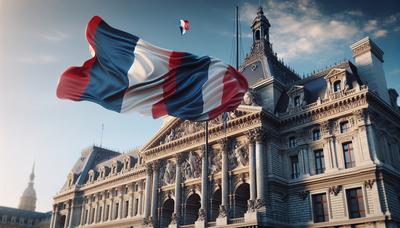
<point x="336" y="86"/>
<point x="257" y="35"/>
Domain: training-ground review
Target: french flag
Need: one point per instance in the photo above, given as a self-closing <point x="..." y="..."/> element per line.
<point x="129" y="74"/>
<point x="184" y="26"/>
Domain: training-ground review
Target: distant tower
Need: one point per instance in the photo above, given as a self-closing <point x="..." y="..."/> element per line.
<point x="260" y="27"/>
<point x="28" y="198"/>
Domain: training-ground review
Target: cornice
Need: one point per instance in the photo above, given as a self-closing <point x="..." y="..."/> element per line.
<point x="312" y="112"/>
<point x="216" y="132"/>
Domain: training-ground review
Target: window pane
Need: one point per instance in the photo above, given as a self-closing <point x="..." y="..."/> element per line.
<point x="355" y="203"/>
<point x="320" y="208"/>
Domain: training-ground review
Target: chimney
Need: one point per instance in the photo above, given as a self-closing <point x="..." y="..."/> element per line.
<point x="369" y="62"/>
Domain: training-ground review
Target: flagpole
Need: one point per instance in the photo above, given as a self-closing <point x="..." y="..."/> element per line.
<point x="237" y="37"/>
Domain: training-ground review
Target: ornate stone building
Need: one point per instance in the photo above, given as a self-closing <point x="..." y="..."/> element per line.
<point x="25" y="215"/>
<point x="322" y="151"/>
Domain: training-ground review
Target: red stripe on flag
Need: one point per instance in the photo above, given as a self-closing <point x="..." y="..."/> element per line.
<point x="74" y="80"/>
<point x="91" y="30"/>
<point x="235" y="85"/>
<point x="169" y="86"/>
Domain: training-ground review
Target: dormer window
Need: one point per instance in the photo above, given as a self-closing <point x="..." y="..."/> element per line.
<point x="344" y="126"/>
<point x="297" y="101"/>
<point x="336" y="86"/>
<point x="316" y="134"/>
<point x="292" y="142"/>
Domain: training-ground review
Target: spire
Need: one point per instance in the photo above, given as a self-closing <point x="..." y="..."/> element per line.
<point x="28" y="198"/>
<point x="260" y="27"/>
<point x="32" y="176"/>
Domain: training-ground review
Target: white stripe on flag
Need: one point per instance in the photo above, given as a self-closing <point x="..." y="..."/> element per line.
<point x="214" y="87"/>
<point x="150" y="62"/>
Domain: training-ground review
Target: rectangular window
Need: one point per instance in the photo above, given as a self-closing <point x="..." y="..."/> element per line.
<point x="107" y="213"/>
<point x="295" y="166"/>
<point x="319" y="161"/>
<point x="316" y="135"/>
<point x="92" y="215"/>
<point x="126" y="209"/>
<point x="348" y="154"/>
<point x="344" y="127"/>
<point x="99" y="214"/>
<point x="116" y="210"/>
<point x="355" y="203"/>
<point x="136" y="206"/>
<point x="320" y="208"/>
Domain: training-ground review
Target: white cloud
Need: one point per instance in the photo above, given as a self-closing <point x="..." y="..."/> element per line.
<point x="300" y="28"/>
<point x="380" y="33"/>
<point x="371" y="26"/>
<point x="54" y="36"/>
<point x="38" y="59"/>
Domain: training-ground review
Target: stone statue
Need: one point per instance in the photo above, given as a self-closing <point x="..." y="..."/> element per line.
<point x="249" y="98"/>
<point x="169" y="173"/>
<point x="241" y="154"/>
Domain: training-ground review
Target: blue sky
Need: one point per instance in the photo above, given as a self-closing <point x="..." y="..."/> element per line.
<point x="39" y="39"/>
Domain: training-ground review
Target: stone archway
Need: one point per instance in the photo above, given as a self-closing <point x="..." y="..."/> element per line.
<point x="242" y="195"/>
<point x="167" y="210"/>
<point x="192" y="207"/>
<point x="215" y="203"/>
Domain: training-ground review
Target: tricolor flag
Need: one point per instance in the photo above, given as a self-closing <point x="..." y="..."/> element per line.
<point x="129" y="74"/>
<point x="183" y="26"/>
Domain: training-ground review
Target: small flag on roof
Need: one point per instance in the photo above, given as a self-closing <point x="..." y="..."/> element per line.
<point x="184" y="26"/>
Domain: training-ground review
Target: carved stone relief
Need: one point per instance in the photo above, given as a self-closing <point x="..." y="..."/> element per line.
<point x="169" y="173"/>
<point x="216" y="161"/>
<point x="191" y="166"/>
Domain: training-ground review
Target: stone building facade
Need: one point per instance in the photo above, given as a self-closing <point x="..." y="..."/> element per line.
<point x="322" y="151"/>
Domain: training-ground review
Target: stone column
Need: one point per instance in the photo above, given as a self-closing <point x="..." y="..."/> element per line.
<point x="53" y="216"/>
<point x="252" y="171"/>
<point x="225" y="177"/>
<point x="121" y="204"/>
<point x="67" y="218"/>
<point x="131" y="200"/>
<point x="224" y="207"/>
<point x="140" y="209"/>
<point x="82" y="213"/>
<point x="260" y="166"/>
<point x="147" y="206"/>
<point x="111" y="209"/>
<point x="154" y="203"/>
<point x="202" y="219"/>
<point x="176" y="216"/>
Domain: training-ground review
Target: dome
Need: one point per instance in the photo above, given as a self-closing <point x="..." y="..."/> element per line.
<point x="28" y="198"/>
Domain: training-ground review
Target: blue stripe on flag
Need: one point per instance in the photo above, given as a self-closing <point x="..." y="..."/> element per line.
<point x="187" y="101"/>
<point x="109" y="74"/>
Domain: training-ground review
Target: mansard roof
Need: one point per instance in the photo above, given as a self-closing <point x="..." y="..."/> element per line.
<point x="315" y="86"/>
<point x="263" y="63"/>
<point x="90" y="157"/>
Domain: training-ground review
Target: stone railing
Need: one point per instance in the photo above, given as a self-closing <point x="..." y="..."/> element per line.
<point x="187" y="226"/>
<point x="236" y="220"/>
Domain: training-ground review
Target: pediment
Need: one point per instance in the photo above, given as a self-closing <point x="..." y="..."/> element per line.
<point x="295" y="88"/>
<point x="334" y="71"/>
<point x="177" y="129"/>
